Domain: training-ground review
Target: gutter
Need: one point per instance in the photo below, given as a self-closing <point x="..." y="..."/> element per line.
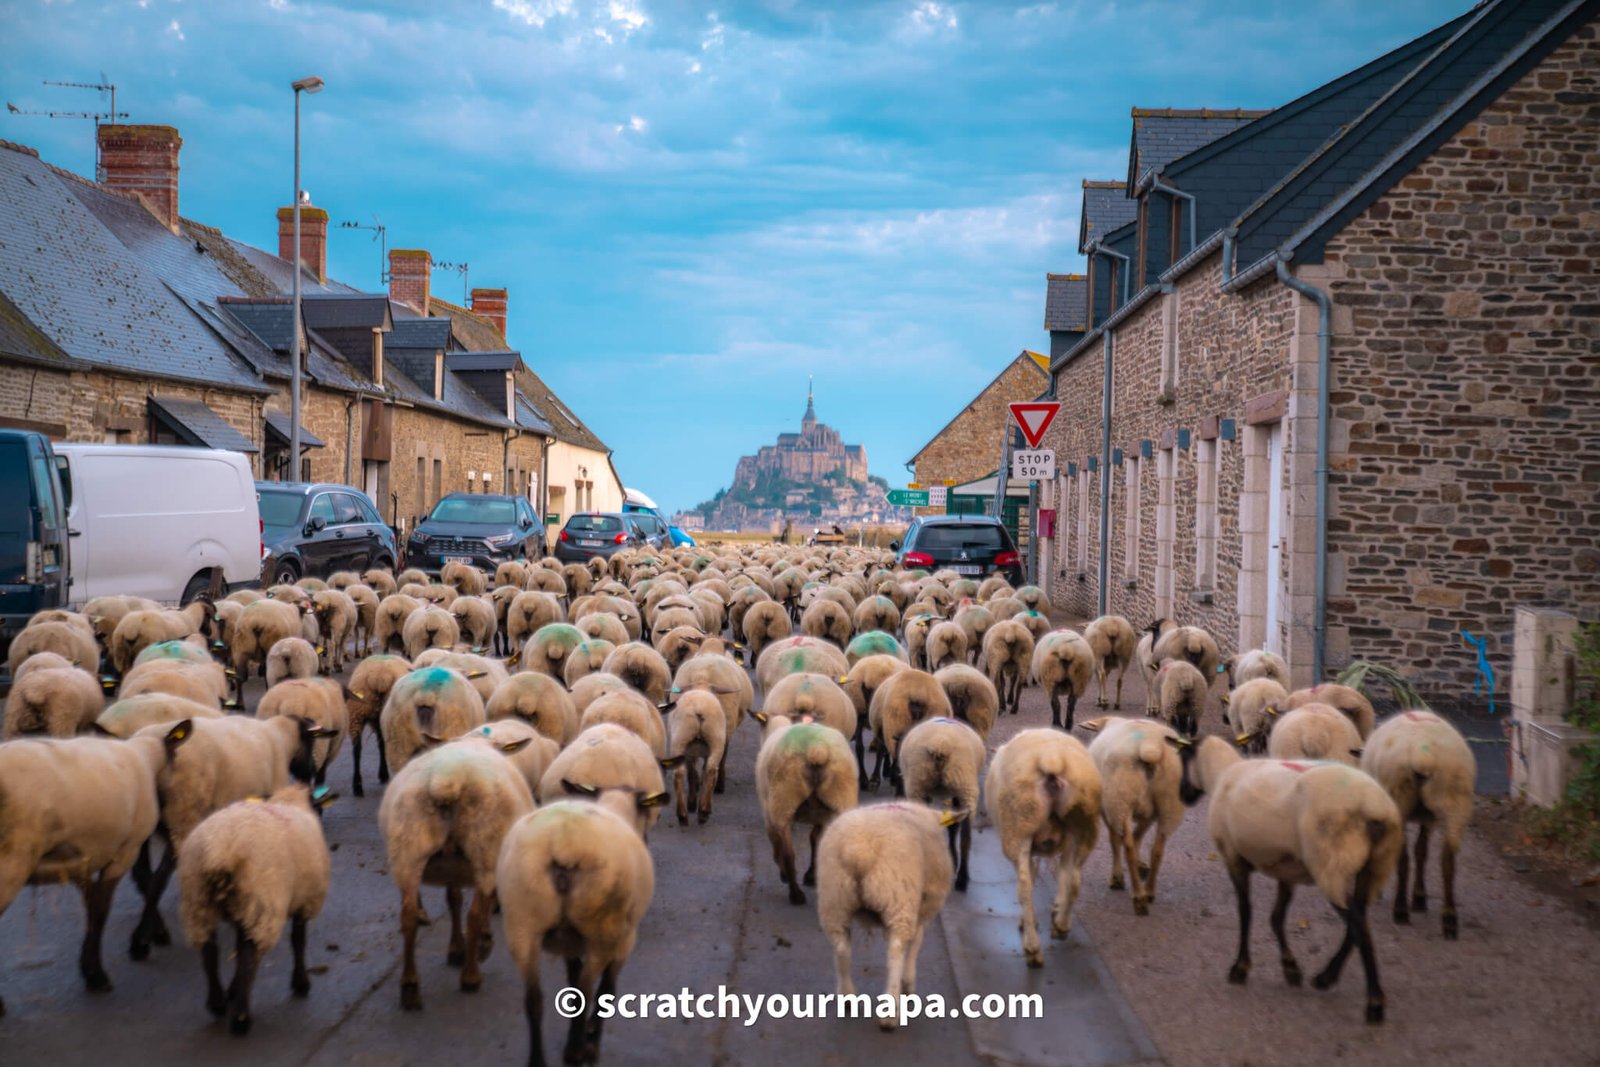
<point x="349" y="439"/>
<point x="1152" y="180"/>
<point x="1105" y="472"/>
<point x="1097" y="249"/>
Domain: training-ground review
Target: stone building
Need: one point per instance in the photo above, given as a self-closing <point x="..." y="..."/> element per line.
<point x="1353" y="361"/>
<point x="808" y="456"/>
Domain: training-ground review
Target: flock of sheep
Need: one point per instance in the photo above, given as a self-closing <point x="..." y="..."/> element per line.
<point x="529" y="722"/>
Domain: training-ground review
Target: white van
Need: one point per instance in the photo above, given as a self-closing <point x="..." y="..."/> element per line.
<point x="156" y="521"/>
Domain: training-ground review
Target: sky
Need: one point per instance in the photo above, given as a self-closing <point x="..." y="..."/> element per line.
<point x="694" y="206"/>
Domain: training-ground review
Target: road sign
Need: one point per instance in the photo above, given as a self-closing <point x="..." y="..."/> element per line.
<point x="1035" y="419"/>
<point x="938" y="496"/>
<point x="912" y="498"/>
<point x="1036" y="465"/>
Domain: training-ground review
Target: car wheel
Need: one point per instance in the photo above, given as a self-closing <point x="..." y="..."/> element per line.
<point x="384" y="563"/>
<point x="197" y="585"/>
<point x="286" y="573"/>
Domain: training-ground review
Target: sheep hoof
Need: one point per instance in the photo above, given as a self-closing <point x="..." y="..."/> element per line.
<point x="1322" y="981"/>
<point x="300" y="985"/>
<point x="217" y="1005"/>
<point x="1452" y="930"/>
<point x="1291" y="973"/>
<point x="1059" y="933"/>
<point x="456" y="956"/>
<point x="1116" y="882"/>
<point x="471" y="985"/>
<point x="888" y="1022"/>
<point x="98" y="982"/>
<point x="1239" y="973"/>
<point x="139" y="951"/>
<point x="797" y="895"/>
<point x="410" y="996"/>
<point x="1141" y="905"/>
<point x="702" y="817"/>
<point x="160" y="935"/>
<point x="1035" y="957"/>
<point x="1419" y="903"/>
<point x="355" y="787"/>
<point x="1374" y="1011"/>
<point x="1402" y="916"/>
<point x="239" y="1025"/>
<point x="485" y="944"/>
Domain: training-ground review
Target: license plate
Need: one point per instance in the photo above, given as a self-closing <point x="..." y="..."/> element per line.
<point x="967" y="568"/>
<point x="588" y="544"/>
<point x="457" y="559"/>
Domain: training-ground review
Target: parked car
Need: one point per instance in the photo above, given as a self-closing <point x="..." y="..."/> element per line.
<point x="483" y="529"/>
<point x="975" y="545"/>
<point x="636" y="503"/>
<point x="159" y="521"/>
<point x="599" y="533"/>
<point x="312" y="529"/>
<point x="655" y="529"/>
<point x="33" y="531"/>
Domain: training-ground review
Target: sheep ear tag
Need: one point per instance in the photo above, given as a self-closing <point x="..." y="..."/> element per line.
<point x="579" y="790"/>
<point x="950" y="818"/>
<point x="322" y="796"/>
<point x="1242" y="740"/>
<point x="653" y="800"/>
<point x="511" y="748"/>
<point x="1178" y="742"/>
<point x="671" y="762"/>
<point x="844" y="679"/>
<point x="1093" y="725"/>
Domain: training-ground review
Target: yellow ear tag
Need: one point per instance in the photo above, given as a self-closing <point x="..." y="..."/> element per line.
<point x="948" y="818"/>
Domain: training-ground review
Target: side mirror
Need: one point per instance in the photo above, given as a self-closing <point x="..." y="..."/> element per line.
<point x="316" y="523"/>
<point x="526" y="522"/>
<point x="894" y="546"/>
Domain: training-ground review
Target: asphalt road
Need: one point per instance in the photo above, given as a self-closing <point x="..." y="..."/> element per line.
<point x="720" y="919"/>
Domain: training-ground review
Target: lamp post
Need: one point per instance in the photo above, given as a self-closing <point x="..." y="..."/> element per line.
<point x="304" y="85"/>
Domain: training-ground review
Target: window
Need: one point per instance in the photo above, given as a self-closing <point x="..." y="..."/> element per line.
<point x="1205" y="515"/>
<point x="346" y="512"/>
<point x="466" y="509"/>
<point x="1143" y="238"/>
<point x="369" y="512"/>
<point x="988" y="536"/>
<point x="1166" y="531"/>
<point x="438" y="479"/>
<point x="594" y="523"/>
<point x="1083" y="519"/>
<point x="422" y="485"/>
<point x="280" y="510"/>
<point x="322" y="508"/>
<point x="1130" y="519"/>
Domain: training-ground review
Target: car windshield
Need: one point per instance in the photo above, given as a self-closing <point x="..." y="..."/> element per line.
<point x="280" y="509"/>
<point x="594" y="523"/>
<point x="982" y="536"/>
<point x="483" y="511"/>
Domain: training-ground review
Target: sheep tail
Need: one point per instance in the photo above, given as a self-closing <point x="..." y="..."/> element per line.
<point x="1152" y="750"/>
<point x="445" y="790"/>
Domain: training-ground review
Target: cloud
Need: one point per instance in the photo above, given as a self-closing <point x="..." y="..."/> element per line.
<point x="694" y="66"/>
<point x="627" y="14"/>
<point x="534" y="12"/>
<point x="176" y="30"/>
<point x="714" y="36"/>
<point x="930" y="16"/>
<point x="637" y="124"/>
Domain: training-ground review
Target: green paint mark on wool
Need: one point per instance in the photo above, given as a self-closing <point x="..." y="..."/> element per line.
<point x="874" y="642"/>
<point x="560" y="633"/>
<point x="800" y="736"/>
<point x="434" y="677"/>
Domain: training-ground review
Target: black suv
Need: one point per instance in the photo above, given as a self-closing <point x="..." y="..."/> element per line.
<point x="482" y="529"/>
<point x="599" y="533"/>
<point x="311" y="529"/>
<point x="975" y="545"/>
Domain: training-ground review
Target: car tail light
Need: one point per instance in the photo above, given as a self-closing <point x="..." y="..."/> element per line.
<point x="564" y="535"/>
<point x="1008" y="559"/>
<point x="263" y="525"/>
<point x="620" y="539"/>
<point x="917" y="559"/>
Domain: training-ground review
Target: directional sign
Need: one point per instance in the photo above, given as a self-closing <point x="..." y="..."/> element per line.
<point x="938" y="496"/>
<point x="913" y="498"/>
<point x="1035" y="419"/>
<point x="1037" y="465"/>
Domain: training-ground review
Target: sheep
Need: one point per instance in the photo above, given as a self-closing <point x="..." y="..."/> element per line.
<point x="1182" y="690"/>
<point x="41" y="661"/>
<point x="1112" y="640"/>
<point x="63" y="638"/>
<point x="994" y="586"/>
<point x="872" y="643"/>
<point x="804" y="771"/>
<point x="510" y="573"/>
<point x="1063" y="660"/>
<point x="464" y="578"/>
<point x="610" y="764"/>
<point x="439" y="595"/>
<point x="641" y="667"/>
<point x="336" y="614"/>
<point x="412" y="576"/>
<point x="575" y="881"/>
<point x="592" y="687"/>
<point x="205" y="682"/>
<point x="529" y="751"/>
<point x="261" y="625"/>
<point x="946" y="644"/>
<point x="974" y="620"/>
<point x="1250" y="711"/>
<point x="1356" y="707"/>
<point x="728" y="682"/>
<point x="742" y="600"/>
<point x="365" y="695"/>
<point x="224" y="759"/>
<point x="1007" y="657"/>
<point x="1043" y="794"/>
<point x="942" y="760"/>
<point x="105" y="612"/>
<point x="578" y="579"/>
<point x="918" y="627"/>
<point x="79" y="811"/>
<point x="343" y="579"/>
<point x="826" y="620"/>
<point x="1005" y="607"/>
<point x="974" y="699"/>
<point x="1315" y="732"/>
<point x="1032" y="597"/>
<point x="886" y="863"/>
<point x="1140" y="773"/>
<point x="528" y="612"/>
<point x="257" y="864"/>
<point x="432" y="700"/>
<point x="626" y="611"/>
<point x="810" y="697"/>
<point x="548" y="579"/>
<point x="1144" y="655"/>
<point x="630" y="710"/>
<point x="764" y="623"/>
<point x="538" y="700"/>
<point x="140" y="628"/>
<point x="1257" y="663"/>
<point x="431" y="627"/>
<point x="587" y="657"/>
<point x="55" y="701"/>
<point x="379" y="581"/>
<point x="1038" y="624"/>
<point x="130" y="715"/>
<point x="291" y="657"/>
<point x="443" y="818"/>
<point x="389" y="629"/>
<point x="1322" y="824"/>
<point x="903" y="700"/>
<point x="475" y="618"/>
<point x="547" y="650"/>
<point x="604" y="626"/>
<point x="1428" y="769"/>
<point x="876" y="613"/>
<point x="1192" y="644"/>
<point x="366" y="623"/>
<point x="698" y="731"/>
<point x="679" y="643"/>
<point x="319" y="700"/>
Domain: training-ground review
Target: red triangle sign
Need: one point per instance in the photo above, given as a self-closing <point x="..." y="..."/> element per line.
<point x="1035" y="419"/>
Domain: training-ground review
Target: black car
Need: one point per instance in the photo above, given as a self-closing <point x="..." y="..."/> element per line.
<point x="482" y="529"/>
<point x="311" y="529"/>
<point x="599" y="533"/>
<point x="975" y="545"/>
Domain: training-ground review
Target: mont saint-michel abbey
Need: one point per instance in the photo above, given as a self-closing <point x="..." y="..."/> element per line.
<point x="805" y="457"/>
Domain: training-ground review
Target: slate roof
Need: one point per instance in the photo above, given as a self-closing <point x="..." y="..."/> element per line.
<point x="1161" y="135"/>
<point x="473" y="332"/>
<point x="72" y="277"/>
<point x="432" y="334"/>
<point x="469" y="361"/>
<point x="279" y="273"/>
<point x="1023" y="357"/>
<point x="528" y="416"/>
<point x="1066" y="302"/>
<point x="565" y="426"/>
<point x="198" y="425"/>
<point x="278" y="422"/>
<point x="269" y="321"/>
<point x="21" y="339"/>
<point x="346" y="311"/>
<point x="1106" y="206"/>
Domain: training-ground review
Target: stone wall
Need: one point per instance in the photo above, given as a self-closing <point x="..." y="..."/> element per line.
<point x="34" y="398"/>
<point x="1466" y="394"/>
<point x="969" y="447"/>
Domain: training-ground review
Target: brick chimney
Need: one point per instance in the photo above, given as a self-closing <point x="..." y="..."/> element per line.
<point x="491" y="304"/>
<point x="410" y="273"/>
<point x="144" y="160"/>
<point x="313" y="239"/>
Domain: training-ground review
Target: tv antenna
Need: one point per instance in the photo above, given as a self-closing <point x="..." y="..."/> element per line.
<point x="461" y="269"/>
<point x="113" y="114"/>
<point x="381" y="235"/>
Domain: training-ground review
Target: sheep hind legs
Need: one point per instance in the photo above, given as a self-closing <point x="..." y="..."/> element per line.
<point x="1280" y="911"/>
<point x="959" y="859"/>
<point x="1239" y="872"/>
<point x="152" y="929"/>
<point x="1356" y="935"/>
<point x="97" y="893"/>
<point x="583" y="1037"/>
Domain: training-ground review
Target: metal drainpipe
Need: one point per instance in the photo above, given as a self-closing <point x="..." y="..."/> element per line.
<point x="1105" y="476"/>
<point x="349" y="435"/>
<point x="1320" y="573"/>
<point x="1097" y="249"/>
<point x="1157" y="183"/>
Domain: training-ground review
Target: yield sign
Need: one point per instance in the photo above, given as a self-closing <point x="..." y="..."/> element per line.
<point x="1035" y="419"/>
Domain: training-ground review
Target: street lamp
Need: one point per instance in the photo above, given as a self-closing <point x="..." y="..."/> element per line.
<point x="304" y="85"/>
